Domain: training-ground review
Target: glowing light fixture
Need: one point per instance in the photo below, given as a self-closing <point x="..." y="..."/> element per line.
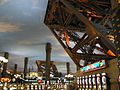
<point x="3" y="59"/>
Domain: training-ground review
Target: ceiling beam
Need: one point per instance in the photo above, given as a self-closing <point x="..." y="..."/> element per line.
<point x="67" y="49"/>
<point x="94" y="56"/>
<point x="62" y="28"/>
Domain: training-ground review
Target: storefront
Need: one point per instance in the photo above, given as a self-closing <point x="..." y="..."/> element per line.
<point x="101" y="75"/>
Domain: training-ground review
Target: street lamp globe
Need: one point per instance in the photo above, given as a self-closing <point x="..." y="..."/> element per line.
<point x="2" y="58"/>
<point x="5" y="60"/>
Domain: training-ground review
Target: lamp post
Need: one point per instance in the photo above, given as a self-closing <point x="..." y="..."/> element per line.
<point x="48" y="59"/>
<point x="25" y="66"/>
<point x="3" y="62"/>
<point x="69" y="76"/>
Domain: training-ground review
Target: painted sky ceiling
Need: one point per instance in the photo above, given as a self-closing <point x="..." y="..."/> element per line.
<point x="23" y="34"/>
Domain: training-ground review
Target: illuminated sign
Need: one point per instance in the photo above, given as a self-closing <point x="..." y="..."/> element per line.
<point x="5" y="79"/>
<point x="95" y="66"/>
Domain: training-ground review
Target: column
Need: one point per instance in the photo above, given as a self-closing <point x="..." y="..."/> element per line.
<point x="15" y="68"/>
<point x="68" y="67"/>
<point x="25" y="66"/>
<point x="48" y="59"/>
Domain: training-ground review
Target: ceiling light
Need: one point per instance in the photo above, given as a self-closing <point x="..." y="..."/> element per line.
<point x="3" y="59"/>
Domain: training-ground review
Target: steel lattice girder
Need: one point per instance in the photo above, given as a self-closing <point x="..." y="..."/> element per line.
<point x="41" y="67"/>
<point x="68" y="18"/>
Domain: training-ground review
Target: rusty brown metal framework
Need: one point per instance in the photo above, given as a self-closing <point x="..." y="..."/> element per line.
<point x="81" y="27"/>
<point x="41" y="67"/>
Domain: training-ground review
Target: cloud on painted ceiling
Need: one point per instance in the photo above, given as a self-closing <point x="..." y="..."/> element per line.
<point x="39" y="4"/>
<point x="63" y="54"/>
<point x="27" y="14"/>
<point x="7" y="27"/>
<point x="3" y="2"/>
<point x="54" y="41"/>
<point x="5" y="17"/>
<point x="32" y="42"/>
<point x="56" y="48"/>
<point x="35" y="2"/>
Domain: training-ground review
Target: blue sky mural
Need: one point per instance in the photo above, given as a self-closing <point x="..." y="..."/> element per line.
<point x="23" y="33"/>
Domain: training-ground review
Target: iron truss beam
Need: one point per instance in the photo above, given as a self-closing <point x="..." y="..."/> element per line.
<point x="41" y="67"/>
<point x="81" y="27"/>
